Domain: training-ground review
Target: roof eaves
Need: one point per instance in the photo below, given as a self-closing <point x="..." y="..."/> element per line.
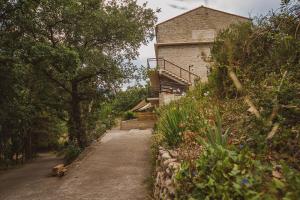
<point x="197" y="9"/>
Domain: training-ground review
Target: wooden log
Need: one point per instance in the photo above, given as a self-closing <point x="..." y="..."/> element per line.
<point x="59" y="170"/>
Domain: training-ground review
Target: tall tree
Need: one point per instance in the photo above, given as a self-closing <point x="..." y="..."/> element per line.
<point x="83" y="48"/>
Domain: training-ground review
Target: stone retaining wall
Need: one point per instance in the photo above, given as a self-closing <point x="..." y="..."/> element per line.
<point x="136" y="124"/>
<point x="167" y="165"/>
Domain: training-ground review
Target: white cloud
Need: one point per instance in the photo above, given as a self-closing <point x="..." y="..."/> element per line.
<point x="253" y="7"/>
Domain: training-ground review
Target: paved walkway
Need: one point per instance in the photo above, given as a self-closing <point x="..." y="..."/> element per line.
<point x="117" y="168"/>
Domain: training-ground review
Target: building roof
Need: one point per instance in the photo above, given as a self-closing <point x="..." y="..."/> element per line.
<point x="201" y="8"/>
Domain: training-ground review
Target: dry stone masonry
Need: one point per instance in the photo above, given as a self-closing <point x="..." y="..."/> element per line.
<point x="167" y="165"/>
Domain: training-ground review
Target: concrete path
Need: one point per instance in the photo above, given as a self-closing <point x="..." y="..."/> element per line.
<point x="117" y="168"/>
<point x="31" y="181"/>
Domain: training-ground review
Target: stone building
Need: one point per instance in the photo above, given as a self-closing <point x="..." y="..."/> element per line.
<point x="182" y="46"/>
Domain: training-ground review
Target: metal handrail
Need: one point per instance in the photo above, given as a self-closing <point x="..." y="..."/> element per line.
<point x="164" y="67"/>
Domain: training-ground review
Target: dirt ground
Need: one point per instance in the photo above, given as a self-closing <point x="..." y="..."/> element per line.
<point x="117" y="168"/>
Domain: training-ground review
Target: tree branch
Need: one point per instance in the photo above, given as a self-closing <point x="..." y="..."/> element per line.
<point x="57" y="82"/>
<point x="247" y="98"/>
<point x="276" y="106"/>
<point x="88" y="76"/>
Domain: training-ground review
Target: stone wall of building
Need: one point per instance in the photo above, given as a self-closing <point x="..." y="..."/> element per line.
<point x="167" y="165"/>
<point x="185" y="56"/>
<point x="198" y="25"/>
<point x="166" y="98"/>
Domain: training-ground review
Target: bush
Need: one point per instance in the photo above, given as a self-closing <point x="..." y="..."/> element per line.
<point x="214" y="134"/>
<point x="196" y="114"/>
<point x="98" y="119"/>
<point x="126" y="100"/>
<point x="267" y="67"/>
<point x="170" y="126"/>
<point x="129" y="115"/>
<point x="222" y="174"/>
<point x="176" y="118"/>
<point x="71" y="152"/>
<point x="290" y="187"/>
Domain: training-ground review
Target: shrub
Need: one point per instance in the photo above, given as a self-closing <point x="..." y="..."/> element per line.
<point x="267" y="68"/>
<point x="198" y="115"/>
<point x="71" y="152"/>
<point x="292" y="186"/>
<point x="215" y="135"/>
<point x="129" y="115"/>
<point x="126" y="100"/>
<point x="170" y="126"/>
<point x="221" y="173"/>
<point x="176" y="118"/>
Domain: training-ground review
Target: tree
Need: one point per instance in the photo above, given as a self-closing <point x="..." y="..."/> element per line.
<point x="81" y="49"/>
<point x="126" y="100"/>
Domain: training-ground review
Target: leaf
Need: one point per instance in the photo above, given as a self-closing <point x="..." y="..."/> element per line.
<point x="235" y="170"/>
<point x="278" y="184"/>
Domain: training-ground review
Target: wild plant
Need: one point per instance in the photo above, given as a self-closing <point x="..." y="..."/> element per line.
<point x="170" y="126"/>
<point x="214" y="134"/>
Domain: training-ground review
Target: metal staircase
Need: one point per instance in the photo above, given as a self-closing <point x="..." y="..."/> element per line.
<point x="173" y="77"/>
<point x="172" y="71"/>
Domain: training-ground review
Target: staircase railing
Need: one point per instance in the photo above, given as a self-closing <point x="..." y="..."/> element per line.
<point x="161" y="63"/>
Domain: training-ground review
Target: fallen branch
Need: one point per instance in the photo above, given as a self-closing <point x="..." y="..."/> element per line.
<point x="252" y="107"/>
<point x="247" y="99"/>
<point x="273" y="131"/>
<point x="276" y="106"/>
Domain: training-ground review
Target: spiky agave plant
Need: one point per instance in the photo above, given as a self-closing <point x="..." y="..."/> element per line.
<point x="215" y="133"/>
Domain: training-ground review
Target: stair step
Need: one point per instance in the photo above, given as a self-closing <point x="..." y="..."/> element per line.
<point x="161" y="71"/>
<point x="161" y="64"/>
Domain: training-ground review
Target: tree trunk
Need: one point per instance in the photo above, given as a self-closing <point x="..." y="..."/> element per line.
<point x="3" y="142"/>
<point x="76" y="128"/>
<point x="28" y="146"/>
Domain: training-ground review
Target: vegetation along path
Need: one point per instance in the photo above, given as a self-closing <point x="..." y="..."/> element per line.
<point x="115" y="168"/>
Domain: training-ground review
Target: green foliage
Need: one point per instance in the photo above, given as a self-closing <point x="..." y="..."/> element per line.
<point x="126" y="100"/>
<point x="290" y="189"/>
<point x="63" y="60"/>
<point x="230" y="173"/>
<point x="129" y="115"/>
<point x="176" y="118"/>
<point x="170" y="126"/>
<point x="99" y="121"/>
<point x="195" y="113"/>
<point x="223" y="174"/>
<point x="265" y="58"/>
<point x="26" y="123"/>
<point x="214" y="134"/>
<point x="71" y="152"/>
<point x="107" y="116"/>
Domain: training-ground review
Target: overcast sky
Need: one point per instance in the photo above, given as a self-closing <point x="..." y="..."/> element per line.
<point x="171" y="8"/>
